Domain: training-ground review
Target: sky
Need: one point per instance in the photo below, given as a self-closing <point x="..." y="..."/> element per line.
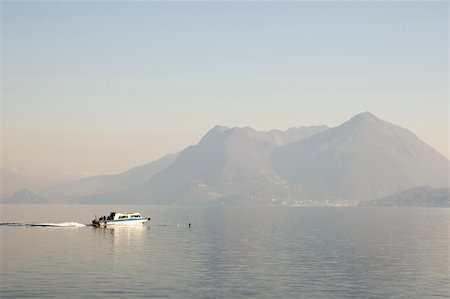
<point x="99" y="87"/>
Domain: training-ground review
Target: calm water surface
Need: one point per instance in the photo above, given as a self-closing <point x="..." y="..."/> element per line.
<point x="229" y="252"/>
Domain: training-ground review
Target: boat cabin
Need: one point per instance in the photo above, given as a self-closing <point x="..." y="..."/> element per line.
<point x="123" y="216"/>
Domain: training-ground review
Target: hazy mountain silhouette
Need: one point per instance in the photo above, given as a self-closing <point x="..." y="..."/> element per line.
<point x="227" y="164"/>
<point x="364" y="158"/>
<point x="107" y="183"/>
<point x="423" y="196"/>
<point x="25" y="195"/>
<point x="11" y="182"/>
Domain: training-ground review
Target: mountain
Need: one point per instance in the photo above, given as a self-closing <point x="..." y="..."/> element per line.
<point x="228" y="164"/>
<point x="77" y="189"/>
<point x="423" y="196"/>
<point x="25" y="196"/>
<point x="10" y="182"/>
<point x="361" y="159"/>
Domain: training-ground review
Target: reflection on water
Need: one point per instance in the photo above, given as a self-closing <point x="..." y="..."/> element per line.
<point x="125" y="234"/>
<point x="124" y="239"/>
<point x="128" y="235"/>
<point x="230" y="252"/>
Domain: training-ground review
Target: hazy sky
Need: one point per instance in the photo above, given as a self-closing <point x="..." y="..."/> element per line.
<point x="99" y="87"/>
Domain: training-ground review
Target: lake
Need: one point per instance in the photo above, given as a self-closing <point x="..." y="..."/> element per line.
<point x="230" y="251"/>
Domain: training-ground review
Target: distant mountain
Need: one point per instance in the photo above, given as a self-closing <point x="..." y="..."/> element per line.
<point x="25" y="196"/>
<point x="31" y="178"/>
<point x="77" y="189"/>
<point x="10" y="182"/>
<point x="423" y="196"/>
<point x="228" y="164"/>
<point x="361" y="159"/>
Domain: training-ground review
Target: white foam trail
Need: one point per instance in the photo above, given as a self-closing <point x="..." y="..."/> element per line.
<point x="62" y="224"/>
<point x="49" y="224"/>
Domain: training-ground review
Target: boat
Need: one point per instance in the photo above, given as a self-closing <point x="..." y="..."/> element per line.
<point x="116" y="218"/>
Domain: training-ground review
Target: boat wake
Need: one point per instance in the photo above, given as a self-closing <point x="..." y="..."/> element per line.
<point x="62" y="224"/>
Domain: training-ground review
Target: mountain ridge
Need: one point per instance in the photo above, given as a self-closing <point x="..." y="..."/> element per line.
<point x="361" y="159"/>
<point x="107" y="183"/>
<point x="226" y="163"/>
<point x="421" y="196"/>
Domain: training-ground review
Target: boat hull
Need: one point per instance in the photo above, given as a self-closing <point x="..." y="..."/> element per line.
<point x="126" y="222"/>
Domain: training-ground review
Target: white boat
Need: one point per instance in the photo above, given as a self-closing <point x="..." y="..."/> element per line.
<point x="116" y="218"/>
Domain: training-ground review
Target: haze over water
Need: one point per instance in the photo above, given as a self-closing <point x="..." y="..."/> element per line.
<point x="230" y="252"/>
<point x="96" y="94"/>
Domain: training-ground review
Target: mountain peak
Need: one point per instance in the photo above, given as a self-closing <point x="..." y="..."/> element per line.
<point x="25" y="195"/>
<point x="364" y="116"/>
<point x="363" y="121"/>
<point x="214" y="132"/>
<point x="219" y="128"/>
